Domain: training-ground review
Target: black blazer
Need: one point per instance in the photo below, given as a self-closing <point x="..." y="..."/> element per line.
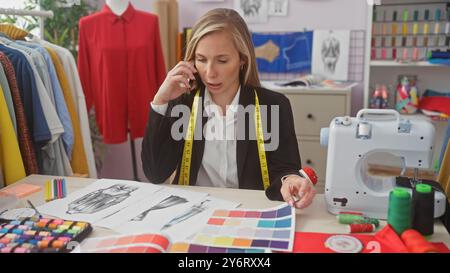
<point x="161" y="154"/>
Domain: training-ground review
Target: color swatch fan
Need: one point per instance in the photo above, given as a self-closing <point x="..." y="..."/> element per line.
<point x="269" y="229"/>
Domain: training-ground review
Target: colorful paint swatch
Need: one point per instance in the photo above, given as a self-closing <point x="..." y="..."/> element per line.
<point x="269" y="229"/>
<point x="183" y="247"/>
<point x="131" y="249"/>
<point x="253" y="214"/>
<point x="226" y="231"/>
<point x="134" y="243"/>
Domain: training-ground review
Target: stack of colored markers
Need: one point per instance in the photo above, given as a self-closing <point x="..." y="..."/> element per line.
<point x="55" y="189"/>
<point x="357" y="222"/>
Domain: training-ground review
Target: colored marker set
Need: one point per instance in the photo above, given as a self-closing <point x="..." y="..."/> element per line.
<point x="55" y="189"/>
<point x="31" y="235"/>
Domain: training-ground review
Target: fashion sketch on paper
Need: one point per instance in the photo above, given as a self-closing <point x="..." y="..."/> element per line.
<point x="100" y="199"/>
<point x="192" y="211"/>
<point x="330" y="54"/>
<point x="170" y="201"/>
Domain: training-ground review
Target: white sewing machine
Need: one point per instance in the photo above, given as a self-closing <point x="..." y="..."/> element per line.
<point x="351" y="141"/>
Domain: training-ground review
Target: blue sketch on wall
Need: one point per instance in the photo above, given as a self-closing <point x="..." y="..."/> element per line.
<point x="283" y="53"/>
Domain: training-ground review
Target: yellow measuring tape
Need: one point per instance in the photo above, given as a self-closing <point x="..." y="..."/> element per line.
<point x="189" y="142"/>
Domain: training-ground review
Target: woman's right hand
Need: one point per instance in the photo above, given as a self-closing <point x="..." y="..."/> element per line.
<point x="176" y="83"/>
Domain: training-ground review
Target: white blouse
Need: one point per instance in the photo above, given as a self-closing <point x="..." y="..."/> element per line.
<point x="218" y="167"/>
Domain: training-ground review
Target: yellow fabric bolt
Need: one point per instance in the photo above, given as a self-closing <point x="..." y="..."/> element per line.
<point x="79" y="160"/>
<point x="11" y="159"/>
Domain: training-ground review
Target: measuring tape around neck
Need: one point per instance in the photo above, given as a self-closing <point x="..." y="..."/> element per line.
<point x="183" y="179"/>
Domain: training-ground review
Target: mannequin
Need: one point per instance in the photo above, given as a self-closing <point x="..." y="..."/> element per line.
<point x="118" y="7"/>
<point x="120" y="59"/>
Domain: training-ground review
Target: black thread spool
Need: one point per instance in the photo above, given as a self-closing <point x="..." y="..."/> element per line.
<point x="423" y="209"/>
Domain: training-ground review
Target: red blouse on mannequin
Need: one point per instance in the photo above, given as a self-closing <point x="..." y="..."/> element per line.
<point x="121" y="66"/>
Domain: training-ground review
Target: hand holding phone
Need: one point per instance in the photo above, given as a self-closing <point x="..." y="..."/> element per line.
<point x="181" y="79"/>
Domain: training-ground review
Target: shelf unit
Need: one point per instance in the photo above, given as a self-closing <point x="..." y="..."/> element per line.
<point x="373" y="68"/>
<point x="387" y="63"/>
<point x="431" y="76"/>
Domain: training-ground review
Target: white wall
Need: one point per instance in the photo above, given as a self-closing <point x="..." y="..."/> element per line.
<point x="310" y="14"/>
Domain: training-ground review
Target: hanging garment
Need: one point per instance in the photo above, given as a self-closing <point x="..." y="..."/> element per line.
<point x="60" y="103"/>
<point x="121" y="67"/>
<point x="70" y="69"/>
<point x="78" y="161"/>
<point x="12" y="163"/>
<point x="34" y="112"/>
<point x="53" y="158"/>
<point x="24" y="135"/>
<point x="7" y="93"/>
<point x="45" y="96"/>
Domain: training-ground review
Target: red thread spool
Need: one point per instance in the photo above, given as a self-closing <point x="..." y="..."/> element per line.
<point x="361" y="228"/>
<point x="351" y="212"/>
<point x="416" y="243"/>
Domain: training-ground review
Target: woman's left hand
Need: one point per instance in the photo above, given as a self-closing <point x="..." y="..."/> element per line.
<point x="297" y="191"/>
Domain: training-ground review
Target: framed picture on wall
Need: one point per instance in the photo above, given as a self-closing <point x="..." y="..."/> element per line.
<point x="278" y="7"/>
<point x="330" y="57"/>
<point x="253" y="11"/>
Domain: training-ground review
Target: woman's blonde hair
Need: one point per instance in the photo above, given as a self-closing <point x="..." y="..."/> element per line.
<point x="222" y="19"/>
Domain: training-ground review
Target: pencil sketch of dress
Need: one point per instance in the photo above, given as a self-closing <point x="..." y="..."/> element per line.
<point x="330" y="54"/>
<point x="252" y="11"/>
<point x="278" y="7"/>
<point x="170" y="201"/>
<point x="251" y="7"/>
<point x="194" y="210"/>
<point x="100" y="199"/>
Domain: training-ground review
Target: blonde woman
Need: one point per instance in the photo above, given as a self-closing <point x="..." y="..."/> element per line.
<point x="236" y="134"/>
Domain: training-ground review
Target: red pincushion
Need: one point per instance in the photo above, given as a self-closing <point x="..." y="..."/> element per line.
<point x="310" y="174"/>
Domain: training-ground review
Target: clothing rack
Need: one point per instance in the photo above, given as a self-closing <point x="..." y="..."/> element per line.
<point x="23" y="12"/>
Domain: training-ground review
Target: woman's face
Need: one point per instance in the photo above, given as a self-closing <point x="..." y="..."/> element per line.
<point x="218" y="63"/>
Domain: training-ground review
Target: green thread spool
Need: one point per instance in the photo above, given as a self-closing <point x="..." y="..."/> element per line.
<point x="416" y="16"/>
<point x="423" y="188"/>
<point x="348" y="218"/>
<point x="405" y="15"/>
<point x="357" y="219"/>
<point x="399" y="211"/>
